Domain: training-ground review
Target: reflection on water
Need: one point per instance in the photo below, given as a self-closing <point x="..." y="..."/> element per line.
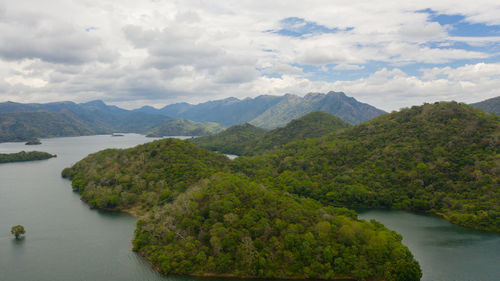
<point x="445" y="251"/>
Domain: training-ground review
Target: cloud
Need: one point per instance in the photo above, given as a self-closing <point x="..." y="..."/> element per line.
<point x="157" y="52"/>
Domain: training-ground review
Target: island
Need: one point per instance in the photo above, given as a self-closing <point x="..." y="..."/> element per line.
<point x="33" y="141"/>
<point x="25" y="156"/>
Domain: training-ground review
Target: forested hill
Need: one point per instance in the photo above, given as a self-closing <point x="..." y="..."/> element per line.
<point x="490" y="105"/>
<point x="198" y="219"/>
<point x="21" y="126"/>
<point x="233" y="140"/>
<point x="20" y="121"/>
<point x="270" y="111"/>
<point x="440" y="158"/>
<point x="241" y="140"/>
<point x="184" y="127"/>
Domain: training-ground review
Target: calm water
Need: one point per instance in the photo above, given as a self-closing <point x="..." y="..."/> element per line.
<point x="66" y="240"/>
<point x="446" y="252"/>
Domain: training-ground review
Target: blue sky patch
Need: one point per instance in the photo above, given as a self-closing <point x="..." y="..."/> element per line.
<point x="299" y="27"/>
<point x="461" y="27"/>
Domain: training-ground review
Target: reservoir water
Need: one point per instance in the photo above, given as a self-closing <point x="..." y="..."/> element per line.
<point x="66" y="240"/>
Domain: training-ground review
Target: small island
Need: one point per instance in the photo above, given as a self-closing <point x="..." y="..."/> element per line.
<point x="33" y="141"/>
<point x="25" y="156"/>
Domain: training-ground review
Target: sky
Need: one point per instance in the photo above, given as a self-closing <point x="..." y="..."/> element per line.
<point x="390" y="54"/>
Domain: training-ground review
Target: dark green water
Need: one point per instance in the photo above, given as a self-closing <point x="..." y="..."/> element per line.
<point x="66" y="240"/>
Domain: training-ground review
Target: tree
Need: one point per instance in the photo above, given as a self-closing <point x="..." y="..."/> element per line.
<point x="18" y="230"/>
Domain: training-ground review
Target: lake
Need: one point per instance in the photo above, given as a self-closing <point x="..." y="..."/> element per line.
<point x="66" y="240"/>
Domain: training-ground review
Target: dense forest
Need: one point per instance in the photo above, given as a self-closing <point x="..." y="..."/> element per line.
<point x="184" y="127"/>
<point x="24" y="156"/>
<point x="235" y="227"/>
<point x="439" y="158"/>
<point x="250" y="140"/>
<point x="200" y="219"/>
<point x="206" y="215"/>
<point x="145" y="176"/>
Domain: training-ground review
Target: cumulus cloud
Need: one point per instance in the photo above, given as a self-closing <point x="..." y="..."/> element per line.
<point x="157" y="52"/>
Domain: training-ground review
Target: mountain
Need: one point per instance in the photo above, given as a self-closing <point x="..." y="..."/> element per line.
<point x="21" y="126"/>
<point x="183" y="127"/>
<point x="199" y="219"/>
<point x="270" y="111"/>
<point x="70" y="119"/>
<point x="338" y="104"/>
<point x="490" y="105"/>
<point x="438" y="158"/>
<point x="311" y="125"/>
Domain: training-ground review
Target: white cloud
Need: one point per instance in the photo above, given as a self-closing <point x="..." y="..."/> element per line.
<point x="136" y="52"/>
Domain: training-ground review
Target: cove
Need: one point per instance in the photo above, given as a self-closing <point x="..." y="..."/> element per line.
<point x="446" y="252"/>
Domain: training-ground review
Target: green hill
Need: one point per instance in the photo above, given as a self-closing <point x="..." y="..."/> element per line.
<point x="230" y="226"/>
<point x="143" y="176"/>
<point x="439" y="158"/>
<point x="314" y="124"/>
<point x="234" y="140"/>
<point x="490" y="105"/>
<point x="183" y="127"/>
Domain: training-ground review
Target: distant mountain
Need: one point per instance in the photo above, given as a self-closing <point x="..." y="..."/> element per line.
<point x="256" y="140"/>
<point x="270" y="111"/>
<point x="71" y="119"/>
<point x="21" y="126"/>
<point x="183" y="127"/>
<point x="490" y="105"/>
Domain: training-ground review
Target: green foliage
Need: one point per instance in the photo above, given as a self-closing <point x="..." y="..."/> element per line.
<point x="17" y="231"/>
<point x="24" y="156"/>
<point x="439" y="158"/>
<point x="146" y="176"/>
<point x="230" y="225"/>
<point x="250" y="140"/>
<point x="183" y="127"/>
<point x="235" y="140"/>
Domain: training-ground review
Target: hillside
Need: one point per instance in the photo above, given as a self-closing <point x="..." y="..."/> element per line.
<point x="183" y="127"/>
<point x="490" y="105"/>
<point x="270" y="111"/>
<point x="144" y="176"/>
<point x="438" y="158"/>
<point x="21" y="126"/>
<point x="230" y="226"/>
<point x="234" y="140"/>
<point x="312" y="125"/>
<point x="22" y="121"/>
<point x="200" y="220"/>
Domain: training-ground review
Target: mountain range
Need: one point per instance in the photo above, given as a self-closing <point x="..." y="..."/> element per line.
<point x="19" y="121"/>
<point x="269" y="112"/>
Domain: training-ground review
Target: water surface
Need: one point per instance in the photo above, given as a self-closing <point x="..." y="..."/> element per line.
<point x="446" y="252"/>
